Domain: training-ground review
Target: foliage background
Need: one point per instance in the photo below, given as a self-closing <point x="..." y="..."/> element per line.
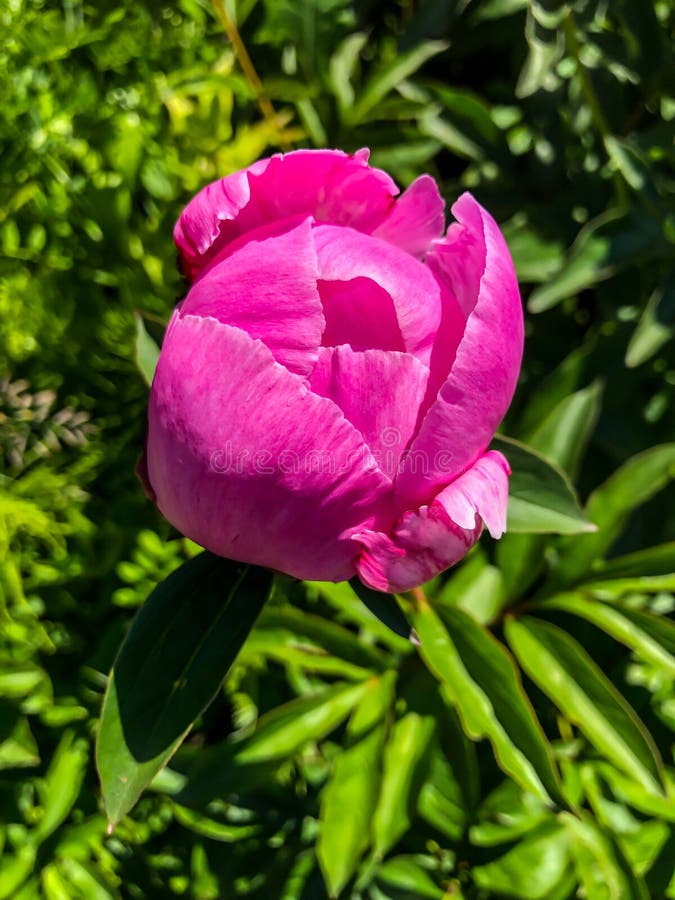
<point x="559" y="117"/>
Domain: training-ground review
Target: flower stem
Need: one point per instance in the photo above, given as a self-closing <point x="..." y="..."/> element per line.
<point x="246" y="65"/>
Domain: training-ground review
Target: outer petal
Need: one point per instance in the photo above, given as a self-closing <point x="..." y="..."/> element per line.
<point x="268" y="289"/>
<point x="417" y="218"/>
<point x="246" y="461"/>
<point x="327" y="184"/>
<point x="345" y="254"/>
<point x="378" y="391"/>
<point x="479" y="388"/>
<point x="435" y="537"/>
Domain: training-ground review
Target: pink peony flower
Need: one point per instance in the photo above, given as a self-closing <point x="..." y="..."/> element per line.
<point x="327" y="390"/>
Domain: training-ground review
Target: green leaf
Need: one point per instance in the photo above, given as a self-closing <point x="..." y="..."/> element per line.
<point x="173" y="660"/>
<point x="623" y="626"/>
<point x="563" y="435"/>
<point x="280" y="733"/>
<point x="602" y="870"/>
<point x="563" y="670"/>
<point x="656" y="326"/>
<point x="611" y="242"/>
<point x="536" y="866"/>
<point x="349" y="605"/>
<point x="658" y="560"/>
<point x="61" y="786"/>
<point x="341" y="70"/>
<point x="635" y="482"/>
<point x="405" y="765"/>
<point x="353" y="785"/>
<point x="147" y="351"/>
<point x="441" y="800"/>
<point x="481" y="681"/>
<point x="402" y="66"/>
<point x="383" y="607"/>
<point x="630" y="792"/>
<point x="541" y="499"/>
<point x="406" y="874"/>
<point x="507" y="814"/>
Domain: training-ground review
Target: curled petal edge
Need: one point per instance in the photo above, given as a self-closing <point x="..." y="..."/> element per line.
<point x="427" y="541"/>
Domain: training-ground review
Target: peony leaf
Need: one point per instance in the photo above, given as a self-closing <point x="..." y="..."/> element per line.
<point x="171" y="663"/>
<point x="541" y="498"/>
<point x="147" y="351"/>
<point x="481" y="681"/>
<point x="563" y="670"/>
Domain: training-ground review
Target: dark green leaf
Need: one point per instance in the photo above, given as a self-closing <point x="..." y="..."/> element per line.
<point x="610" y="505"/>
<point x="541" y="499"/>
<point x="482" y="683"/>
<point x="174" y="658"/>
<point x="623" y="626"/>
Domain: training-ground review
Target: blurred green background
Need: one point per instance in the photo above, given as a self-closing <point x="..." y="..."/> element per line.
<point x="559" y="118"/>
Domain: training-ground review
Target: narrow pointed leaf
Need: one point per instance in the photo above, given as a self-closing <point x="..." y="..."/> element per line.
<point x="481" y="681"/>
<point x="565" y="672"/>
<point x="406" y="761"/>
<point x="354" y="786"/>
<point x="635" y="482"/>
<point x="173" y="660"/>
<point x="541" y="498"/>
<point x="147" y="351"/>
<point x="280" y="733"/>
<point x="624" y="626"/>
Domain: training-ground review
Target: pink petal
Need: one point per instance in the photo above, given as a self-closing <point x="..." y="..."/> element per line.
<point x="425" y="543"/>
<point x="359" y="313"/>
<point x="430" y="540"/>
<point x="345" y="254"/>
<point x="417" y="218"/>
<point x="267" y="287"/>
<point x="472" y="401"/>
<point x="378" y="391"/>
<point x="481" y="492"/>
<point x="327" y="184"/>
<point x="246" y="461"/>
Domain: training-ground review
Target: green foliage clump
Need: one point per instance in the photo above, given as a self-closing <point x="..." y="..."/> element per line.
<point x="521" y="745"/>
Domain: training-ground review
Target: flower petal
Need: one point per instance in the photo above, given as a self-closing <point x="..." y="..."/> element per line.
<point x="424" y="543"/>
<point x="330" y="185"/>
<point x="417" y="218"/>
<point x="378" y="391"/>
<point x="246" y="461"/>
<point x="482" y="491"/>
<point x="472" y="401"/>
<point x="437" y="536"/>
<point x="267" y="287"/>
<point x="360" y="313"/>
<point x="345" y="254"/>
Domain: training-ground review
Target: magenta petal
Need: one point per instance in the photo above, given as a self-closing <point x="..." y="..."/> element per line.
<point x="329" y="185"/>
<point x="437" y="536"/>
<point x="268" y="289"/>
<point x="424" y="543"/>
<point x="359" y="313"/>
<point x="246" y="461"/>
<point x="472" y="401"/>
<point x="345" y="254"/>
<point x="482" y="491"/>
<point x="417" y="218"/>
<point x="378" y="391"/>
